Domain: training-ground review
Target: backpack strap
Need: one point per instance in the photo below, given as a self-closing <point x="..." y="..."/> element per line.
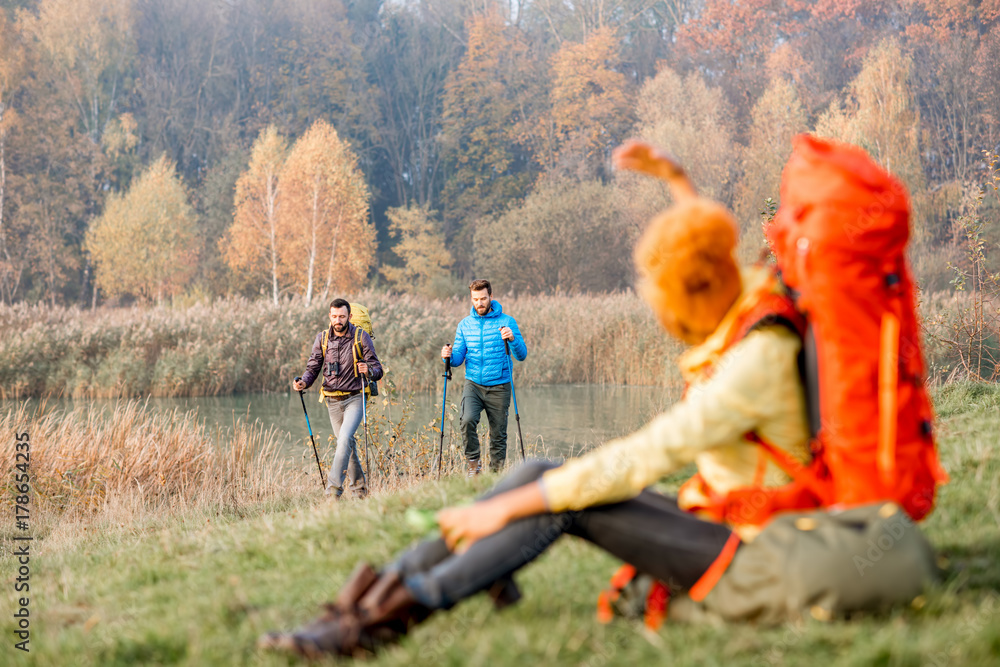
<point x="804" y="475"/>
<point x="770" y="309"/>
<point x="359" y="355"/>
<point x="656" y="602"/>
<point x="711" y="577"/>
<point x="888" y="397"/>
<point x="356" y="348"/>
<point x="325" y="344"/>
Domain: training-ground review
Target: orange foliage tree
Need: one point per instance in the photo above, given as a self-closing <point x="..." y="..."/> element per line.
<point x="250" y="245"/>
<point x="491" y="101"/>
<point x="324" y="215"/>
<point x="89" y="42"/>
<point x="591" y="103"/>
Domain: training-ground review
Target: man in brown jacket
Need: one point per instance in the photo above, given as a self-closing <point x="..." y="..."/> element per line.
<point x="345" y="356"/>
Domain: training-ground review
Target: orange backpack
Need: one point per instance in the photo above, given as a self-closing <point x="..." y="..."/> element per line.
<point x="839" y="239"/>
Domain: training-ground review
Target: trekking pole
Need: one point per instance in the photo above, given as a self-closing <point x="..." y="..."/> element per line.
<point x="309" y="426"/>
<point x="444" y="402"/>
<point x="364" y="415"/>
<point x="513" y="394"/>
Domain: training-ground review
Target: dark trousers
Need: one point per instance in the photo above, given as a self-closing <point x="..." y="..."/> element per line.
<point x="648" y="531"/>
<point x="496" y="401"/>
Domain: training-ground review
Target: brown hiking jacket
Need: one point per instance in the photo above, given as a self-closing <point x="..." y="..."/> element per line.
<point x="339" y="348"/>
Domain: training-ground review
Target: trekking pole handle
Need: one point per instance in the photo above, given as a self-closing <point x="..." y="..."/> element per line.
<point x="447" y="368"/>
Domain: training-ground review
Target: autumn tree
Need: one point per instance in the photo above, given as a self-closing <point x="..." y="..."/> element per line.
<point x="566" y="236"/>
<point x="492" y="101"/>
<point x="591" y="106"/>
<point x="145" y="242"/>
<point x="250" y="246"/>
<point x="692" y="121"/>
<point x="776" y="118"/>
<point x="90" y="44"/>
<point x="420" y="247"/>
<point x="880" y="115"/>
<point x="12" y="70"/>
<point x="325" y="233"/>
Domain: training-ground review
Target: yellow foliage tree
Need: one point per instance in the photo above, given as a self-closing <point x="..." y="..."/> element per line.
<point x="324" y="215"/>
<point x="880" y="113"/>
<point x="89" y="43"/>
<point x="145" y="242"/>
<point x="250" y="245"/>
<point x="422" y="249"/>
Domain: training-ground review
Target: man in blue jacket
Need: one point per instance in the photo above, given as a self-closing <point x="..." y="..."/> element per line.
<point x="479" y="343"/>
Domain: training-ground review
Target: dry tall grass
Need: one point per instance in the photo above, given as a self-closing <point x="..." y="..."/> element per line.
<point x="97" y="465"/>
<point x="236" y="345"/>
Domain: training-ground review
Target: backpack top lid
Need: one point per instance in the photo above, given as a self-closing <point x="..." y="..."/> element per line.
<point x="361" y="318"/>
<point x="834" y="194"/>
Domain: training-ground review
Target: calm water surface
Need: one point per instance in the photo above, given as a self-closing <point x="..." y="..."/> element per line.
<point x="555" y="419"/>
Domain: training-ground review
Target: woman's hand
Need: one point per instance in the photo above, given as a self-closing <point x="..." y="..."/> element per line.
<point x="461" y="527"/>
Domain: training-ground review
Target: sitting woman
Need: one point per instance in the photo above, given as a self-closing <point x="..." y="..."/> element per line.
<point x="743" y="378"/>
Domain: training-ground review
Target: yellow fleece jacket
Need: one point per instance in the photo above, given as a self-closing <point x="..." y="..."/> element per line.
<point x="753" y="386"/>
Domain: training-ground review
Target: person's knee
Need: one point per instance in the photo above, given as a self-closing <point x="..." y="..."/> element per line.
<point x="531" y="470"/>
<point x="469" y="423"/>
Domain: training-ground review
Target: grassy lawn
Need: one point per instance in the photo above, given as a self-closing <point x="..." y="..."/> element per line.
<point x="197" y="587"/>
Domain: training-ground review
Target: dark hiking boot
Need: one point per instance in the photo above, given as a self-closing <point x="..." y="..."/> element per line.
<point x="475" y="467"/>
<point x="370" y="611"/>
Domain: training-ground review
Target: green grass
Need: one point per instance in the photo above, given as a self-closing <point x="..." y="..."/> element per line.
<point x="197" y="587"/>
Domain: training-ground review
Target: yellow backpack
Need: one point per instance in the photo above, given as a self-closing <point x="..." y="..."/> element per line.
<point x="360" y="318"/>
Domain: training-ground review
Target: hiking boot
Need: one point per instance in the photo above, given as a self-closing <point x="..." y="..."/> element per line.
<point x="475" y="467"/>
<point x="359" y="490"/>
<point x="370" y="611"/>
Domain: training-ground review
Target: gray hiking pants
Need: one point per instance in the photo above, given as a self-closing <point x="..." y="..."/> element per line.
<point x="345" y="417"/>
<point x="649" y="531"/>
<point x="496" y="401"/>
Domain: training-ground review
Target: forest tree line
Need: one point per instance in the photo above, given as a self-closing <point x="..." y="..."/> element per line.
<point x="159" y="148"/>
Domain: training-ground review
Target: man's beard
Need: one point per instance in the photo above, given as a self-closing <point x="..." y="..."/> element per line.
<point x="485" y="309"/>
<point x="339" y="328"/>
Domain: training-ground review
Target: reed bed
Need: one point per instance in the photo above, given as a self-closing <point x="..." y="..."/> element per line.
<point x="400" y="453"/>
<point x="235" y="345"/>
<point x="122" y="464"/>
<point x="87" y="464"/>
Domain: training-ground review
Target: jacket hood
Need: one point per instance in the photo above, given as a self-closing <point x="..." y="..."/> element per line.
<point x="495" y="310"/>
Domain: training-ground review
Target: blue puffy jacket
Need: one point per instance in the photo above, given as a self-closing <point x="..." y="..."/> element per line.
<point x="478" y="344"/>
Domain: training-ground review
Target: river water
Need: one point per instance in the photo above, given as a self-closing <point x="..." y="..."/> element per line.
<point x="556" y="420"/>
